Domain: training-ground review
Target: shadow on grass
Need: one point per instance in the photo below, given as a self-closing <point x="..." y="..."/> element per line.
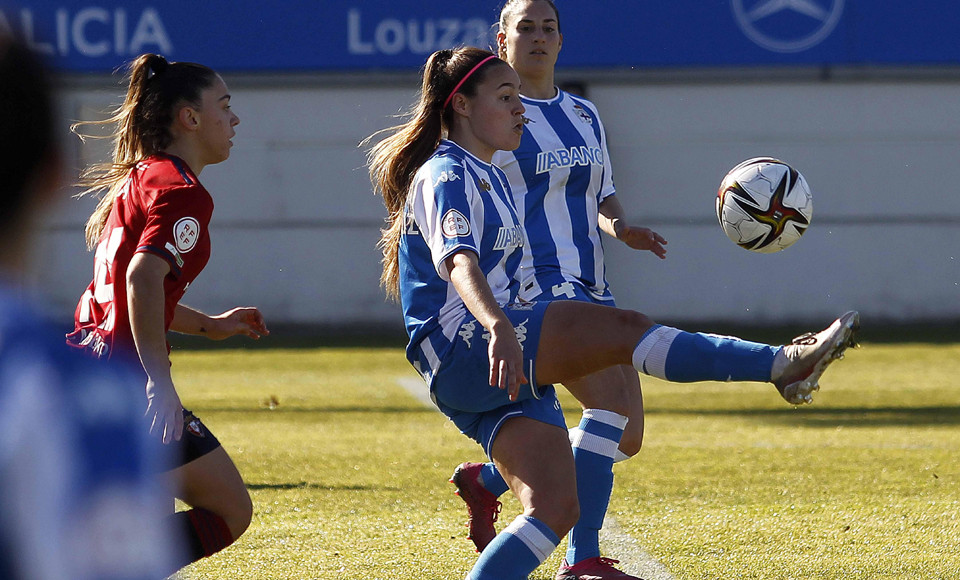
<point x="361" y="334"/>
<point x="318" y="486"/>
<point x="839" y="416"/>
<point x="373" y="409"/>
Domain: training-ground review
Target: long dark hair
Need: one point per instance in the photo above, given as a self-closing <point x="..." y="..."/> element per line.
<point x="394" y="161"/>
<point x="155" y="88"/>
<point x="28" y="143"/>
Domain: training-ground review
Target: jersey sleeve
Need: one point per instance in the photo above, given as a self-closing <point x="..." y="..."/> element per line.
<point x="175" y="221"/>
<point x="445" y="212"/>
<point x="606" y="184"/>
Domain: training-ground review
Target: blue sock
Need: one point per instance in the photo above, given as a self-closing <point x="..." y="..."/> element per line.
<point x="516" y="551"/>
<point x="594" y="447"/>
<point x="684" y="357"/>
<point x="492" y="480"/>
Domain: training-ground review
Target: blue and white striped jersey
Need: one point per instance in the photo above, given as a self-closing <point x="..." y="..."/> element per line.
<point x="559" y="176"/>
<point x="456" y="202"/>
<point x="81" y="496"/>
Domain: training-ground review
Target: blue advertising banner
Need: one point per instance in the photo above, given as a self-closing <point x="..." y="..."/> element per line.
<point x="354" y="35"/>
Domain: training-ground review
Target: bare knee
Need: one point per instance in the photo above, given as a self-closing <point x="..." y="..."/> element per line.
<point x="632" y="440"/>
<point x="213" y="483"/>
<point x="560" y="514"/>
<point x="239" y="514"/>
<point x="635" y="321"/>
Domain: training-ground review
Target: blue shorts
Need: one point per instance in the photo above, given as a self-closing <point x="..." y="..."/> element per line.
<point x="462" y="392"/>
<point x="563" y="289"/>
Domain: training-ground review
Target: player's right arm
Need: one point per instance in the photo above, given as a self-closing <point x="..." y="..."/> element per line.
<point x="145" y="307"/>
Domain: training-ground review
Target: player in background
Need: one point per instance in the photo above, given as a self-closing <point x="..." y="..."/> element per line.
<point x="80" y="498"/>
<point x="562" y="184"/>
<point x="150" y="231"/>
<point x="452" y="251"/>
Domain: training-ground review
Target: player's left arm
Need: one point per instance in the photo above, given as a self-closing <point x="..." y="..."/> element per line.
<point x="613" y="221"/>
<point x="245" y="320"/>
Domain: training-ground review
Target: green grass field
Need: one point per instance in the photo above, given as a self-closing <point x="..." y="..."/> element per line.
<point x="348" y="472"/>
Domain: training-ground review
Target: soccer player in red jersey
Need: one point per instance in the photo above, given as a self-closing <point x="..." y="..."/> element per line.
<point x="150" y="231"/>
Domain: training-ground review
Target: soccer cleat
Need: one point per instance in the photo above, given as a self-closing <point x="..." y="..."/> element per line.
<point x="598" y="568"/>
<point x="797" y="372"/>
<point x="482" y="506"/>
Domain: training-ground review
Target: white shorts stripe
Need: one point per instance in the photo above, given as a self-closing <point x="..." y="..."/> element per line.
<point x="488" y="445"/>
<point x="432" y="360"/>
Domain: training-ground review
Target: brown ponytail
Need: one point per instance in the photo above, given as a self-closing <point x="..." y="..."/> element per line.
<point x="394" y="161"/>
<point x="155" y="89"/>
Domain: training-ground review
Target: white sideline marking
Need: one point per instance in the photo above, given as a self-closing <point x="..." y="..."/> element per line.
<point x="620" y="545"/>
<point x="616" y="543"/>
<point x="418" y="388"/>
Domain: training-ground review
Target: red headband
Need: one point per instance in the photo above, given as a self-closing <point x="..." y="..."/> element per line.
<point x="464" y="79"/>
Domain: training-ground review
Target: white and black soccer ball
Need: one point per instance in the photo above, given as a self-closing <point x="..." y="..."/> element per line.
<point x="764" y="205"/>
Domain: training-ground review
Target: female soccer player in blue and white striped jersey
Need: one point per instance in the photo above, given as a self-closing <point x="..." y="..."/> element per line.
<point x="451" y="255"/>
<point x="562" y="184"/>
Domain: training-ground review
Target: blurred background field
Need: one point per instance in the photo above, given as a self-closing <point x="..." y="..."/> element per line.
<point x="686" y="90"/>
<point x="348" y="471"/>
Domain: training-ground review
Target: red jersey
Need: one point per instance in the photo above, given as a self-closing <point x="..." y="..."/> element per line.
<point x="161" y="209"/>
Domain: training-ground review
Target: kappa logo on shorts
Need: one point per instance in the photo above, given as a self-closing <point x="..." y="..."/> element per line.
<point x="186" y="232"/>
<point x="466" y="331"/>
<point x="521" y="305"/>
<point x="454" y="224"/>
<point x="520" y="330"/>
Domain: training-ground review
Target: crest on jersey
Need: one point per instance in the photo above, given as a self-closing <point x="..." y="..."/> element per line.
<point x="483" y="184"/>
<point x="583" y="114"/>
<point x="454" y="224"/>
<point x="185" y="233"/>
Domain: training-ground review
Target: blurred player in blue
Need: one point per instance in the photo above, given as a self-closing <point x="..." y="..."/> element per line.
<point x="79" y="493"/>
<point x="452" y="252"/>
<point x="562" y="184"/>
<point x="150" y="231"/>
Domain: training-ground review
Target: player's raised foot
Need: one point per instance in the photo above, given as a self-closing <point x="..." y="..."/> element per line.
<point x="482" y="506"/>
<point x="798" y="366"/>
<point x="598" y="568"/>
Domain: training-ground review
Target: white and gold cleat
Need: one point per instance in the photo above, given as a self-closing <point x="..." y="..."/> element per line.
<point x="798" y="366"/>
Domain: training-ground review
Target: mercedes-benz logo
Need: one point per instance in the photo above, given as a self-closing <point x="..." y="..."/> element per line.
<point x="787" y="25"/>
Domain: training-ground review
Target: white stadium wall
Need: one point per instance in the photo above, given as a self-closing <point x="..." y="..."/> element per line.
<point x="295" y="226"/>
